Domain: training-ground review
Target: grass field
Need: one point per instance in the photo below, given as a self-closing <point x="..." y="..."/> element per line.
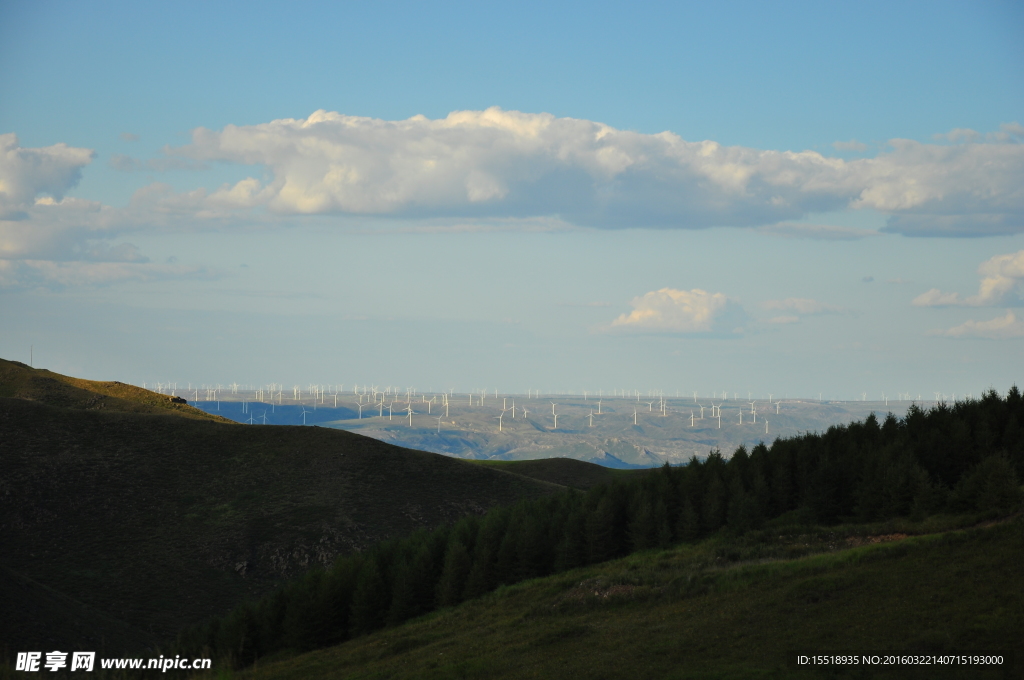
<point x="724" y="608"/>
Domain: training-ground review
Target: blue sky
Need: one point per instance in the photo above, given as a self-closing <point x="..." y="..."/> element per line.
<point x="795" y="198"/>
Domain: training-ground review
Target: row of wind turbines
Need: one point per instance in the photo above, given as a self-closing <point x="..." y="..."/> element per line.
<point x="370" y="400"/>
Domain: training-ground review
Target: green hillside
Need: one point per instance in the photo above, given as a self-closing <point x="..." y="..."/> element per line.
<point x="915" y="473"/>
<point x="125" y="526"/>
<point x="718" y="609"/>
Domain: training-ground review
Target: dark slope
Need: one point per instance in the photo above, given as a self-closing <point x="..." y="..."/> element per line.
<point x="717" y="610"/>
<point x="19" y="381"/>
<point x="577" y="474"/>
<point x="160" y="521"/>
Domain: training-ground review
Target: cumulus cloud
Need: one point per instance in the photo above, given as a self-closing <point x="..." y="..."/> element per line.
<point x="683" y="311"/>
<point x="26" y="173"/>
<point x="507" y="163"/>
<point x="1000" y="328"/>
<point x="1008" y="132"/>
<point x="1002" y="285"/>
<point x="496" y="169"/>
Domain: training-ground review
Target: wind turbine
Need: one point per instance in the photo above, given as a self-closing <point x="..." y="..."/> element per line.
<point x="361" y="405"/>
<point x="553" y="405"/>
<point x="598" y="407"/>
<point x="264" y="417"/>
<point x="556" y="422"/>
<point x="650" y="406"/>
<point x="591" y="416"/>
<point x="500" y="416"/>
<point x="304" y="415"/>
<point x="634" y="416"/>
<point x="409" y="408"/>
<point x="439" y="424"/>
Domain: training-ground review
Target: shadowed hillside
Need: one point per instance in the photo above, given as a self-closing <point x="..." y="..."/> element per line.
<point x="120" y="524"/>
<point x="720" y="609"/>
<point x="569" y="472"/>
<point x="921" y="471"/>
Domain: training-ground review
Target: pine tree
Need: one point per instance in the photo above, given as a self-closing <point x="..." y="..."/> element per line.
<point x="371" y="599"/>
<point x="457" y="565"/>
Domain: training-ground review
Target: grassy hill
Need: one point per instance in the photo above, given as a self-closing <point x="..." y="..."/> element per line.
<point x="722" y="608"/>
<point x="125" y="516"/>
<point x="18" y="381"/>
<point x="905" y="476"/>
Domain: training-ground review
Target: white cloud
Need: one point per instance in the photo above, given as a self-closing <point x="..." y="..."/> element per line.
<point x="1000" y="328"/>
<point x="803" y="306"/>
<point x="507" y="163"/>
<point x="26" y="173"/>
<point x="784" y="319"/>
<point x="1008" y="132"/>
<point x="683" y="311"/>
<point x="1002" y="285"/>
<point x="495" y="169"/>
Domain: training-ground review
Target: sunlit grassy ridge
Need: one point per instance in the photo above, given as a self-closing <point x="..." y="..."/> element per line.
<point x="19" y="381"/>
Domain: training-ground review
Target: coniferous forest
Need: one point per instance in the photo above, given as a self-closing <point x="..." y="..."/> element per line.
<point x="964" y="457"/>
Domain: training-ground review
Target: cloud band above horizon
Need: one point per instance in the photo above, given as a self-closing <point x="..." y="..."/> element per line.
<point x="515" y="168"/>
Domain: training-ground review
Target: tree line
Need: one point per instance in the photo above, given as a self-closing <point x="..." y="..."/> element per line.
<point x="963" y="457"/>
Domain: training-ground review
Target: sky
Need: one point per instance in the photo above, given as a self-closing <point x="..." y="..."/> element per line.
<point x="795" y="197"/>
